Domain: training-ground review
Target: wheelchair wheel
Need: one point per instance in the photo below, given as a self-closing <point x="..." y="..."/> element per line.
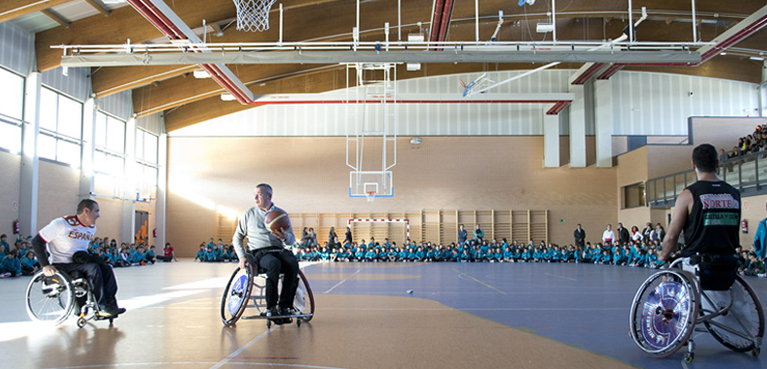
<point x="303" y="303"/>
<point x="50" y="299"/>
<point x="664" y="312"/>
<point x="745" y="316"/>
<point x="236" y="295"/>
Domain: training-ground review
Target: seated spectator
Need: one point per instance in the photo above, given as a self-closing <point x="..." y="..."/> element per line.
<point x="167" y="254"/>
<point x="230" y="255"/>
<point x="114" y="257"/>
<point x="210" y="255"/>
<point x="10" y="266"/>
<point x="201" y="255"/>
<point x="125" y="258"/>
<point x="150" y="255"/>
<point x="29" y="264"/>
<point x="755" y="266"/>
<point x="138" y="257"/>
<point x="5" y="248"/>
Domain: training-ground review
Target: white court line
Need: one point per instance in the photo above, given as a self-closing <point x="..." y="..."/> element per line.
<point x="240" y="350"/>
<point x="474" y="309"/>
<point x="187" y="363"/>
<point x="345" y="279"/>
<point x="559" y="276"/>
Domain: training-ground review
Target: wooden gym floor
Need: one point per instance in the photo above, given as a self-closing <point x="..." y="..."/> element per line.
<point x="458" y="316"/>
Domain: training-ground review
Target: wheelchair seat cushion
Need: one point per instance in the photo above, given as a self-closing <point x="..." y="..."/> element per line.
<point x="716" y="272"/>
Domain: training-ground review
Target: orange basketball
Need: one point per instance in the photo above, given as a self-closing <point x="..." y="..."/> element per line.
<point x="277" y="219"/>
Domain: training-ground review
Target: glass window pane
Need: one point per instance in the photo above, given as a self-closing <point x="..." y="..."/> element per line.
<point x="10" y="137"/>
<point x="668" y="193"/>
<point x="101" y="130"/>
<point x="651" y="190"/>
<point x="140" y="144"/>
<point x="748" y="173"/>
<point x="680" y="183"/>
<point x="11" y="95"/>
<point x="100" y="162"/>
<point x="46" y="147"/>
<point x="69" y="153"/>
<point x="149" y="176"/>
<point x="48" y="109"/>
<point x="150" y="148"/>
<point x="70" y="117"/>
<point x="115" y="135"/>
<point x="116" y="165"/>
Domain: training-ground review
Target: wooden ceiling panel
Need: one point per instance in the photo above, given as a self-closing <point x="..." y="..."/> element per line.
<point x="122" y="24"/>
<point x="187" y="100"/>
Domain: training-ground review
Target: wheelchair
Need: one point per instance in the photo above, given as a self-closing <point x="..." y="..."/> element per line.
<point x="247" y="288"/>
<point x="670" y="305"/>
<point x="54" y="299"/>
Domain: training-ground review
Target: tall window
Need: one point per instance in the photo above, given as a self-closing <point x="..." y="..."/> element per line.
<point x="109" y="145"/>
<point x="146" y="157"/>
<point x="11" y="110"/>
<point x="60" y="128"/>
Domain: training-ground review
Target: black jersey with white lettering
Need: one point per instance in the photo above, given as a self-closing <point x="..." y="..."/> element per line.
<point x="712" y="225"/>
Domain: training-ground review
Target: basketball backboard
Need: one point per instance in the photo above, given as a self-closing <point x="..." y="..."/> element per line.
<point x="365" y="183"/>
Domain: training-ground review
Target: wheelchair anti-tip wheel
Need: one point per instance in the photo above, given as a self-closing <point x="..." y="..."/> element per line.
<point x="664" y="312"/>
<point x="741" y="328"/>
<point x="50" y="299"/>
<point x="236" y="295"/>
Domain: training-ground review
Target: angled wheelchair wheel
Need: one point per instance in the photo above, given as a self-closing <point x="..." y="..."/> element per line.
<point x="236" y="295"/>
<point x="304" y="300"/>
<point x="741" y="328"/>
<point x="50" y="299"/>
<point x="664" y="312"/>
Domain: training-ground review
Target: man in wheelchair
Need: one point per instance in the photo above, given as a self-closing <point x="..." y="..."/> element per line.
<point x="265" y="250"/>
<point x="708" y="211"/>
<point x="68" y="239"/>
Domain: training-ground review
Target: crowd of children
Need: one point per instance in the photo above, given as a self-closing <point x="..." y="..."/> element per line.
<point x="639" y="251"/>
<point x="20" y="259"/>
<point x="216" y="252"/>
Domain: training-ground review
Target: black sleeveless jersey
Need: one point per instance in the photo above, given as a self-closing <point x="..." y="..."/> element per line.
<point x="712" y="225"/>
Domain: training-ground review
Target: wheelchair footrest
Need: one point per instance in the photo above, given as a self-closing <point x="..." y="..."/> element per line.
<point x="277" y="317"/>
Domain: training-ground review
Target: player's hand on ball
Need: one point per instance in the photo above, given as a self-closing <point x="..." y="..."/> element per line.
<point x="279" y="233"/>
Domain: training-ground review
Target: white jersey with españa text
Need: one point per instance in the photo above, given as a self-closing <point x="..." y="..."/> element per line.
<point x="65" y="236"/>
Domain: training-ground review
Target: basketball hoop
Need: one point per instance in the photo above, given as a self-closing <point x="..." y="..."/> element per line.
<point x="371" y="195"/>
<point x="476" y="85"/>
<point x="253" y="15"/>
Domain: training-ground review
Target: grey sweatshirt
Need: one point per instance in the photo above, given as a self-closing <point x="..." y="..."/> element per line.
<point x="252" y="226"/>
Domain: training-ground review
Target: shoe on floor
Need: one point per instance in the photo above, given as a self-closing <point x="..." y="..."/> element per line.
<point x="110" y="311"/>
<point x="286" y="312"/>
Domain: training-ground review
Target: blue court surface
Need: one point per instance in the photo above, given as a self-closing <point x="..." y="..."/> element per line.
<point x="582" y="305"/>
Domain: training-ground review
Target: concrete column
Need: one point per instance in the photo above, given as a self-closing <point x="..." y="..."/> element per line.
<point x="577" y="127"/>
<point x="603" y="123"/>
<point x="88" y="149"/>
<point x="131" y="182"/>
<point x="550" y="139"/>
<point x="162" y="188"/>
<point x="29" y="160"/>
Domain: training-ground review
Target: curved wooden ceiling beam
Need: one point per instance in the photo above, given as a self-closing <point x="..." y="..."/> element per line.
<point x="107" y="81"/>
<point x="212" y="107"/>
<point x="12" y="9"/>
<point x="178" y="91"/>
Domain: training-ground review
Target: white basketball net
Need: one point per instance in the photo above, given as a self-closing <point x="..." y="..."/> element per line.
<point x="253" y="15"/>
